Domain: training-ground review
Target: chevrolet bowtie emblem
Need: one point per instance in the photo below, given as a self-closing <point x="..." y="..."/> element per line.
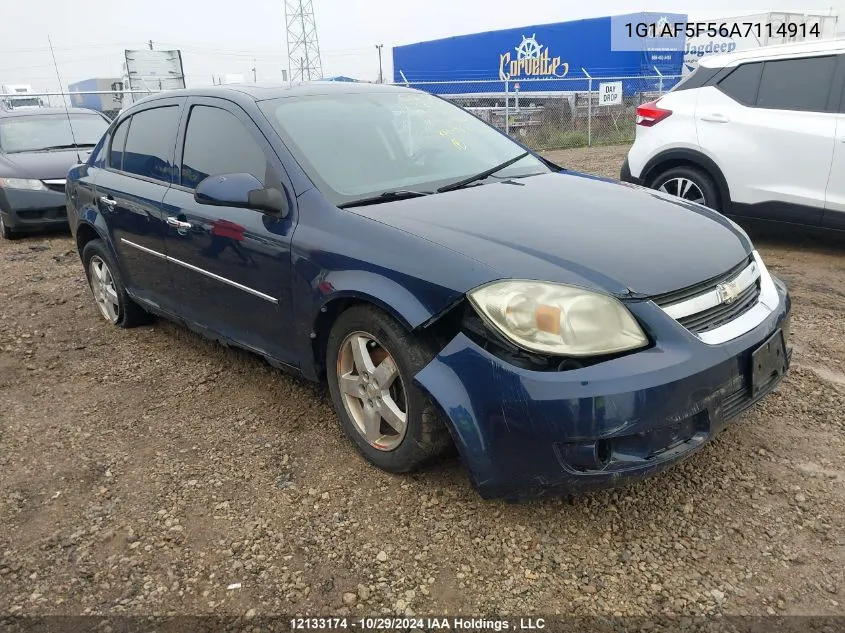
<point x="728" y="292"/>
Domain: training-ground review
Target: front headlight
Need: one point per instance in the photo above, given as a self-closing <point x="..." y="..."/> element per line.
<point x="558" y="319"/>
<point x="22" y="183"/>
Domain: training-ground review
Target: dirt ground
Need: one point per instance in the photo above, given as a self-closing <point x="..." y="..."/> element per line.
<point x="149" y="471"/>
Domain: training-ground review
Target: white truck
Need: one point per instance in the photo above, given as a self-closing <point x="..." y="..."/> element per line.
<point x="18" y="96"/>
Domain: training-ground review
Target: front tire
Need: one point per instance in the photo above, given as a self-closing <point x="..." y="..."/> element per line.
<point x="689" y="183"/>
<point x="109" y="293"/>
<point x="5" y="231"/>
<point x="371" y="361"/>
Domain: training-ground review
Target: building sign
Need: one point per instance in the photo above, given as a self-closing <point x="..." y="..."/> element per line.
<point x="610" y="93"/>
<point x="532" y="61"/>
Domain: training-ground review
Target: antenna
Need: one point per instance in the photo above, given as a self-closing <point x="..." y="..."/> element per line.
<point x="64" y="102"/>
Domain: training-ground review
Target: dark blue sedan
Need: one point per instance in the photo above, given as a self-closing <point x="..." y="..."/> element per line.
<point x="565" y="332"/>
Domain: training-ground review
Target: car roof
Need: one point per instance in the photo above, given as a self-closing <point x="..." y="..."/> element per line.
<point x="793" y="49"/>
<point x="14" y="112"/>
<point x="262" y="92"/>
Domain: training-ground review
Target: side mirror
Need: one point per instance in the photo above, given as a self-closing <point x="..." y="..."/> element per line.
<point x="243" y="191"/>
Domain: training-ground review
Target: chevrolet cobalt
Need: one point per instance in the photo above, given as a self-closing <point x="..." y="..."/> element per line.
<point x="565" y="332"/>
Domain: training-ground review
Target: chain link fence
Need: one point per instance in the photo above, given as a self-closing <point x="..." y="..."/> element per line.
<point x="547" y="114"/>
<point x="109" y="102"/>
<point x="543" y="114"/>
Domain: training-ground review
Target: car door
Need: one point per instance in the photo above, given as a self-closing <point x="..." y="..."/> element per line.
<point x="769" y="127"/>
<point x="231" y="266"/>
<point x="130" y="188"/>
<point x="834" y="212"/>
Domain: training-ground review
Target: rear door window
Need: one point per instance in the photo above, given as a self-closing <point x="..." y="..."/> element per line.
<point x="151" y="142"/>
<point x="797" y="84"/>
<point x="743" y="83"/>
<point x="118" y="142"/>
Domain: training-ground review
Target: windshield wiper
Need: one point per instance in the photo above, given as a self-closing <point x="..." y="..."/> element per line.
<point x="387" y="196"/>
<point x="68" y="146"/>
<point x="484" y="174"/>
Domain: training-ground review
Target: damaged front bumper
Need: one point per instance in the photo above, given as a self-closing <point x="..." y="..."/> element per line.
<point x="524" y="433"/>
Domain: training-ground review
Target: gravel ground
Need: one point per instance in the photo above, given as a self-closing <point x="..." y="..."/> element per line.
<point x="149" y="471"/>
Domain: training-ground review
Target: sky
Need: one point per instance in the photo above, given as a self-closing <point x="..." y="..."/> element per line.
<point x="218" y="38"/>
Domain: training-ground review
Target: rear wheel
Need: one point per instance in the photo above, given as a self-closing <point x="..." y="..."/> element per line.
<point x="371" y="361"/>
<point x="109" y="293"/>
<point x="689" y="183"/>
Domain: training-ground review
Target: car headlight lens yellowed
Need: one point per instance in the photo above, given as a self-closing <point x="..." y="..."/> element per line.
<point x="558" y="319"/>
<point x="22" y="183"/>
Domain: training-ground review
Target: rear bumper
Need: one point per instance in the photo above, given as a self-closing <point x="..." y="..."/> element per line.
<point x="33" y="210"/>
<point x="527" y="434"/>
<point x="625" y="174"/>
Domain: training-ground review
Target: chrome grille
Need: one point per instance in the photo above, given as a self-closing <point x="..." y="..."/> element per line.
<point x="722" y="313"/>
<point x="708" y="305"/>
<point x="676" y="296"/>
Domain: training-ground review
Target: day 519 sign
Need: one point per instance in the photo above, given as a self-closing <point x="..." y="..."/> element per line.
<point x="610" y="93"/>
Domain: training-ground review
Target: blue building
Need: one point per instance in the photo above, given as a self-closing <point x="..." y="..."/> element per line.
<point x="557" y="57"/>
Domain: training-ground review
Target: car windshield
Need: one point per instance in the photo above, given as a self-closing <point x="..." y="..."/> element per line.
<point x="31" y="133"/>
<point x="355" y="146"/>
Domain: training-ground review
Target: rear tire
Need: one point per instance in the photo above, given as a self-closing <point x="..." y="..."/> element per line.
<point x="109" y="292"/>
<point x="371" y="361"/>
<point x="690" y="183"/>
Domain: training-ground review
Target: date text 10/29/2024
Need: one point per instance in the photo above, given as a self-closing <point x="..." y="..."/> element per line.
<point x="409" y="623"/>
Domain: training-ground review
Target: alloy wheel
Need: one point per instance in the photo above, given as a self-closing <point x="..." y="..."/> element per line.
<point x="683" y="188"/>
<point x="372" y="390"/>
<point x="102" y="285"/>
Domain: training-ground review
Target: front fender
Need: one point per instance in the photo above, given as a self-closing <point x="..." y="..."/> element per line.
<point x="412" y="309"/>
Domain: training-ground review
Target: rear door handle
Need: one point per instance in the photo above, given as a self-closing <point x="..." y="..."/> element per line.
<point x="108" y="202"/>
<point x="176" y="223"/>
<point x="715" y="118"/>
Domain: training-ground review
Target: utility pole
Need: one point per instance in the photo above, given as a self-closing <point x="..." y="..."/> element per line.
<point x="150" y="43"/>
<point x="380" y="75"/>
<point x="254" y="71"/>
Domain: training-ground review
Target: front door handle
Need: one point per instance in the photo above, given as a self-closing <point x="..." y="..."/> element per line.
<point x="715" y="118"/>
<point x="176" y="223"/>
<point x="108" y="203"/>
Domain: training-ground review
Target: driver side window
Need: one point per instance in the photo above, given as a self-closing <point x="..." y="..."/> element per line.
<point x="216" y="142"/>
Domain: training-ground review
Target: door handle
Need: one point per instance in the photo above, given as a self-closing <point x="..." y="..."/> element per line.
<point x="108" y="203"/>
<point x="176" y="223"/>
<point x="715" y="118"/>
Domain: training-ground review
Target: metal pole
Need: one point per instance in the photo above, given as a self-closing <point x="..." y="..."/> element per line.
<point x="589" y="106"/>
<point x="507" y="110"/>
<point x="659" y="81"/>
<point x="380" y="75"/>
<point x="590" y="112"/>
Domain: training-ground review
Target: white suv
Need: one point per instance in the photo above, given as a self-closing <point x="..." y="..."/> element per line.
<point x="758" y="133"/>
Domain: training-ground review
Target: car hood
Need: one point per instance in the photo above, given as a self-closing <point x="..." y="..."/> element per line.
<point x="576" y="229"/>
<point x="39" y="165"/>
